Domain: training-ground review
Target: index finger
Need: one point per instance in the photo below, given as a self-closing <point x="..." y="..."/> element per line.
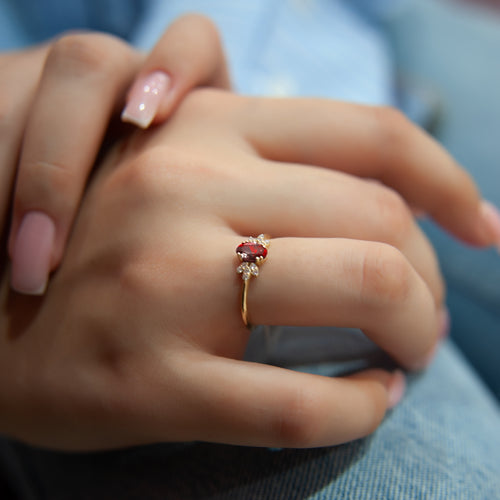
<point x="84" y="77"/>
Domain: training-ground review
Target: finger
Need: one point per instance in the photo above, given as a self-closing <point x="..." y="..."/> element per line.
<point x="19" y="75"/>
<point x="347" y="283"/>
<point x="188" y="55"/>
<point x="85" y="75"/>
<point x="251" y="404"/>
<point x="315" y="202"/>
<point x="377" y="143"/>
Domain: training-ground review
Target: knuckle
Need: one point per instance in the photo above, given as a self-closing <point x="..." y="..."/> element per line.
<point x="386" y="276"/>
<point x="83" y="54"/>
<point x="136" y="277"/>
<point x="295" y="425"/>
<point x="52" y="179"/>
<point x="392" y="128"/>
<point x="154" y="173"/>
<point x="394" y="215"/>
<point x="138" y="179"/>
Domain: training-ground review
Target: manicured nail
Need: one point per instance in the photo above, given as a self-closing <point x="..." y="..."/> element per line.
<point x="396" y="388"/>
<point x="491" y="215"/>
<point x="32" y="253"/>
<point x="145" y="99"/>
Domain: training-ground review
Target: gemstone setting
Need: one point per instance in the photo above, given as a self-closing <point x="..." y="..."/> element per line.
<point x="251" y="253"/>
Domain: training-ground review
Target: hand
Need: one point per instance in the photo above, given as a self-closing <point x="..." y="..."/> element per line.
<point x="139" y="337"/>
<point x="58" y="101"/>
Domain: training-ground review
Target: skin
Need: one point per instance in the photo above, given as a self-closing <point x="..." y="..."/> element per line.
<point x="139" y="337"/>
<point x="58" y="100"/>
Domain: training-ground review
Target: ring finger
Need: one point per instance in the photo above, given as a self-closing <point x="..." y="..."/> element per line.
<point x="347" y="283"/>
<point x="314" y="202"/>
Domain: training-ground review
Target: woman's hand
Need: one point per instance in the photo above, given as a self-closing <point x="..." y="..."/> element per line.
<point x="57" y="103"/>
<point x="139" y="338"/>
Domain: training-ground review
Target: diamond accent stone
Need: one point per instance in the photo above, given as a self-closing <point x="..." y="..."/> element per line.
<point x="247" y="270"/>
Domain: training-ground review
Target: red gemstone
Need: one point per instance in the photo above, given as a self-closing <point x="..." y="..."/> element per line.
<point x="249" y="252"/>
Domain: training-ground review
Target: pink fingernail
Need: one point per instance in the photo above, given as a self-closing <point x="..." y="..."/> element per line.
<point x="145" y="99"/>
<point x="491" y="216"/>
<point x="32" y="253"/>
<point x="396" y="388"/>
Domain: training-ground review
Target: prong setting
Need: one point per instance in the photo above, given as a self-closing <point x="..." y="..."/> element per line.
<point x="252" y="252"/>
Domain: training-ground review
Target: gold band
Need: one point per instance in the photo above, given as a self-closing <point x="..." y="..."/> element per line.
<point x="252" y="252"/>
<point x="244" y="307"/>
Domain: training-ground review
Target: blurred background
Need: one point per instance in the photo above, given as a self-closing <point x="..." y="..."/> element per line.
<point x="450" y="50"/>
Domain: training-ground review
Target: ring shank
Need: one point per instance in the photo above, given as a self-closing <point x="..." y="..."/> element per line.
<point x="244" y="307"/>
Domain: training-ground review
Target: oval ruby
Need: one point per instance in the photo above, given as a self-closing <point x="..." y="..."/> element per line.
<point x="250" y="252"/>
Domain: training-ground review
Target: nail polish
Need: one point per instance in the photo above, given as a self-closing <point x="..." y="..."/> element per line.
<point x="32" y="252"/>
<point x="145" y="99"/>
<point x="491" y="215"/>
<point x="397" y="388"/>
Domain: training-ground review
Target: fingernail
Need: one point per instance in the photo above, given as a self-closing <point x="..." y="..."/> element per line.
<point x="32" y="253"/>
<point x="491" y="216"/>
<point x="145" y="99"/>
<point x="396" y="388"/>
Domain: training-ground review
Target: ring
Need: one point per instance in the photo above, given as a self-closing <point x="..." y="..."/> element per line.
<point x="252" y="252"/>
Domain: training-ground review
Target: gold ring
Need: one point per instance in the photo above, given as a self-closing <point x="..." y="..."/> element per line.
<point x="252" y="252"/>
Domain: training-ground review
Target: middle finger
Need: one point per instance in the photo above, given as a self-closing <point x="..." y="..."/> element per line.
<point x="291" y="200"/>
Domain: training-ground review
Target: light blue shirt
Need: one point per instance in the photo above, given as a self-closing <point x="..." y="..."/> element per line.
<point x="331" y="48"/>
